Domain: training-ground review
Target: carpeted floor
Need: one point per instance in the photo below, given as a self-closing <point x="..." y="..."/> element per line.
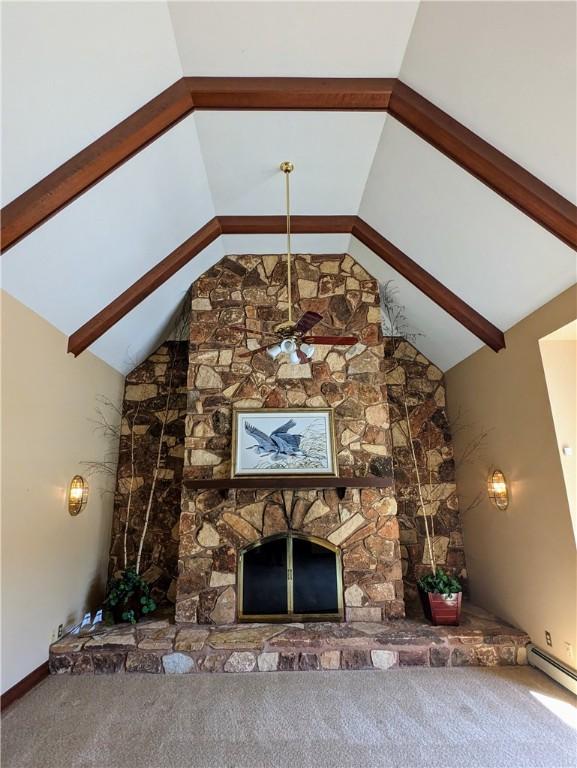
<point x="405" y="718"/>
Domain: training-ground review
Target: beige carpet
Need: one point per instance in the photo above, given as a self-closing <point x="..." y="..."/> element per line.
<point x="401" y="718"/>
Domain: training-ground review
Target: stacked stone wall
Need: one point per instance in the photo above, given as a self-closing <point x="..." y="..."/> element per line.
<point x="145" y="397"/>
<point x="251" y="291"/>
<point x="411" y="377"/>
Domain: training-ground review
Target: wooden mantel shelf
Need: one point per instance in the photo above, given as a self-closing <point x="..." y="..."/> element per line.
<point x="286" y="483"/>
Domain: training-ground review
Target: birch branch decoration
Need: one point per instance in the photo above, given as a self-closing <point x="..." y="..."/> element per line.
<point x="157" y="464"/>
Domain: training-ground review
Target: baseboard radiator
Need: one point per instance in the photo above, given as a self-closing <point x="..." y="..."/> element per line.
<point x="553" y="668"/>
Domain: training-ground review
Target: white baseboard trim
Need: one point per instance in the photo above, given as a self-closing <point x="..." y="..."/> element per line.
<point x="553" y="668"/>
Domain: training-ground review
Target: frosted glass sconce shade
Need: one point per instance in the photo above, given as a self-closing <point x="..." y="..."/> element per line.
<point x="77" y="495"/>
<point x="498" y="490"/>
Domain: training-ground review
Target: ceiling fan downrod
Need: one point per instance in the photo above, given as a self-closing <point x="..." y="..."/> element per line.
<point x="287" y="168"/>
<point x="292" y="339"/>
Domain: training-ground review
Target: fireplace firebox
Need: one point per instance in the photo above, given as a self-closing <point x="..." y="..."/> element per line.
<point x="290" y="577"/>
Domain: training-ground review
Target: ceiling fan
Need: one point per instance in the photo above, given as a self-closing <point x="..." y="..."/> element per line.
<point x="291" y="338"/>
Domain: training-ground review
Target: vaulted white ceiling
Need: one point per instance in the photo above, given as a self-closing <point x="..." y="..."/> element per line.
<point x="72" y="71"/>
<point x="292" y="39"/>
<point x="486" y="251"/>
<point x="507" y="70"/>
<point x="332" y="156"/>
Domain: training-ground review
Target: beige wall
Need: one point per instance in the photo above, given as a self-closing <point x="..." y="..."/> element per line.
<point x="53" y="565"/>
<point x="522" y="562"/>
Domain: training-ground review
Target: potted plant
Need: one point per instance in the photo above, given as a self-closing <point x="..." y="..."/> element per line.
<point x="128" y="598"/>
<point x="441" y="596"/>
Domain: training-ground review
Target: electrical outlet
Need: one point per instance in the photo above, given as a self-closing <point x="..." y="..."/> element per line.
<point x="568" y="650"/>
<point x="56" y="633"/>
<point x="548" y="638"/>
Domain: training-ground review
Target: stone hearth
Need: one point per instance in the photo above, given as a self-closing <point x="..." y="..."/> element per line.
<point x="158" y="646"/>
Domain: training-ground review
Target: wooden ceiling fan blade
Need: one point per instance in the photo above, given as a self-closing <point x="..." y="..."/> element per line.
<point x="341" y="341"/>
<point x="250" y="330"/>
<point x="301" y="356"/>
<point x="254" y="351"/>
<point x="307" y="321"/>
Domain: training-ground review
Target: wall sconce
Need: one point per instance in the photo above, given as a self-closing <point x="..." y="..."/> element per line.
<point x="497" y="489"/>
<point x="77" y="495"/>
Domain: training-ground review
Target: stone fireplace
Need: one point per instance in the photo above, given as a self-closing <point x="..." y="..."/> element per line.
<point x="270" y="556"/>
<point x="350" y="380"/>
<point x="220" y="527"/>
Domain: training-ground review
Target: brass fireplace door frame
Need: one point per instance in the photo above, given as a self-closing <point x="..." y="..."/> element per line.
<point x="290" y="615"/>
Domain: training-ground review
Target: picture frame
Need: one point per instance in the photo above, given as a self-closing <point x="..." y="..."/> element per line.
<point x="283" y="442"/>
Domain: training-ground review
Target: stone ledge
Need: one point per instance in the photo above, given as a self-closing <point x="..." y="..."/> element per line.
<point x="480" y="640"/>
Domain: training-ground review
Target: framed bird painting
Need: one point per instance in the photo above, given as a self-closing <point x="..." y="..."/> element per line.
<point x="279" y="441"/>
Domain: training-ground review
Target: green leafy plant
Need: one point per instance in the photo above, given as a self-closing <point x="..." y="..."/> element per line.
<point x="440" y="583"/>
<point x="128" y="597"/>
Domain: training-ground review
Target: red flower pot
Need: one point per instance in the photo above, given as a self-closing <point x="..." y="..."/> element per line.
<point x="440" y="609"/>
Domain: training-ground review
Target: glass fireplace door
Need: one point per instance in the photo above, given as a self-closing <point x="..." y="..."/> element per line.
<point x="265" y="579"/>
<point x="315" y="588"/>
<point x="290" y="577"/>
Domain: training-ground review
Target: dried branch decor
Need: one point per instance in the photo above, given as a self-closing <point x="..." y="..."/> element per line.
<point x="131" y="486"/>
<point x="157" y="464"/>
<point x="416" y="425"/>
<point x="419" y="485"/>
<point x="395" y="324"/>
<point x="123" y="429"/>
<point x="429" y="500"/>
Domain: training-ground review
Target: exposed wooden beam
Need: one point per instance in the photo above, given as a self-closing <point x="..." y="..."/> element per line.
<point x="66" y="183"/>
<point x="88" y="167"/>
<point x="138" y="291"/>
<point x="419" y="277"/>
<point x="506" y="177"/>
<point x="429" y="285"/>
<point x="276" y="225"/>
<point x="301" y="93"/>
<point x="489" y="165"/>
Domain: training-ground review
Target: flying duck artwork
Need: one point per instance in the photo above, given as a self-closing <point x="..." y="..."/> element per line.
<point x="283" y="442"/>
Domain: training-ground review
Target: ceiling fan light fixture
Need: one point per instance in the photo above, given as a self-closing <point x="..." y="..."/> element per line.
<point x="294" y="358"/>
<point x="274" y="351"/>
<point x="308" y="350"/>
<point x="288" y="346"/>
